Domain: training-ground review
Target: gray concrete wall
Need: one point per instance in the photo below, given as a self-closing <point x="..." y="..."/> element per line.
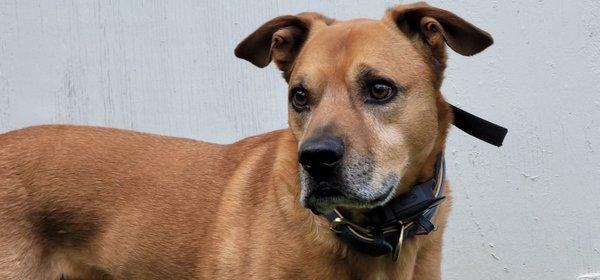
<point x="529" y="210"/>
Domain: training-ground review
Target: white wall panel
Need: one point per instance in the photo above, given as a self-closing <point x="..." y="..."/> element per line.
<point x="529" y="210"/>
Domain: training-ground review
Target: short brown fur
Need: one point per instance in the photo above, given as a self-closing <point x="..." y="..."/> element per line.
<point x="97" y="203"/>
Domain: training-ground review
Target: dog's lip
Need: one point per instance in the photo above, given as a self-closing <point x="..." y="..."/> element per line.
<point x="325" y="190"/>
<point x="326" y="196"/>
<point x="383" y="198"/>
<point x="323" y="194"/>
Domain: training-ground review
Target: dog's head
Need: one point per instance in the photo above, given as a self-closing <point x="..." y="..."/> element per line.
<point x="364" y="100"/>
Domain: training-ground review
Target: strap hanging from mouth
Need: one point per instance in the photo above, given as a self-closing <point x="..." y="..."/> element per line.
<point x="478" y="127"/>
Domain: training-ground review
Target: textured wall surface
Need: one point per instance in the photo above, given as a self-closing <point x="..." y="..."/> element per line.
<point x="530" y="210"/>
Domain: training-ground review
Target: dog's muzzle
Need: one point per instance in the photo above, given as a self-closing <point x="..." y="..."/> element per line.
<point x="321" y="158"/>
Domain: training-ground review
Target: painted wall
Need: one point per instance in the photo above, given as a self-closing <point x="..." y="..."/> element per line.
<point x="529" y="210"/>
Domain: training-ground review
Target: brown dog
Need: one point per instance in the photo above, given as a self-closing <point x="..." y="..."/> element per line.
<point x="365" y="112"/>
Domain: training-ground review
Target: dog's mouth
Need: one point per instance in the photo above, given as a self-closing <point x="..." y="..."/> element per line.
<point x="320" y="198"/>
<point x="325" y="198"/>
<point x="356" y="185"/>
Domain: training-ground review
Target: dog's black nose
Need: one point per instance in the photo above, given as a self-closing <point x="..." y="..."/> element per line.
<point x="320" y="155"/>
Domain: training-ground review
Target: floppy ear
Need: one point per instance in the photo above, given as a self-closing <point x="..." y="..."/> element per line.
<point x="279" y="39"/>
<point x="436" y="26"/>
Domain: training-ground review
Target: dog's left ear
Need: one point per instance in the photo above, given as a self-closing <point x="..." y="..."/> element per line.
<point x="280" y="40"/>
<point x="436" y="26"/>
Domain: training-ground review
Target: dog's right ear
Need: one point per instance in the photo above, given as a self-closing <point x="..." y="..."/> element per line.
<point x="437" y="26"/>
<point x="279" y="39"/>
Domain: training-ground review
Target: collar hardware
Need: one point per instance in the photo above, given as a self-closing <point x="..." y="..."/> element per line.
<point x="399" y="243"/>
<point x="339" y="221"/>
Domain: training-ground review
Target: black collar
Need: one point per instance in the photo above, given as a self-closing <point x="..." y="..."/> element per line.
<point x="411" y="213"/>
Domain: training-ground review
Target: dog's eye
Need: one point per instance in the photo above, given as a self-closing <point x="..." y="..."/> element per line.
<point x="381" y="91"/>
<point x="299" y="98"/>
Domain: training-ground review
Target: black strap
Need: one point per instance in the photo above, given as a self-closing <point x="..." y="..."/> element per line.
<point x="418" y="199"/>
<point x="478" y="127"/>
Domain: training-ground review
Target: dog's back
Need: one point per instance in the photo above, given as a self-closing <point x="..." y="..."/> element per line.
<point x="68" y="194"/>
<point x="97" y="203"/>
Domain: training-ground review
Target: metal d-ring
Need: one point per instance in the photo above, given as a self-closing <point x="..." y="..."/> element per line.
<point x="337" y="222"/>
<point x="399" y="244"/>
